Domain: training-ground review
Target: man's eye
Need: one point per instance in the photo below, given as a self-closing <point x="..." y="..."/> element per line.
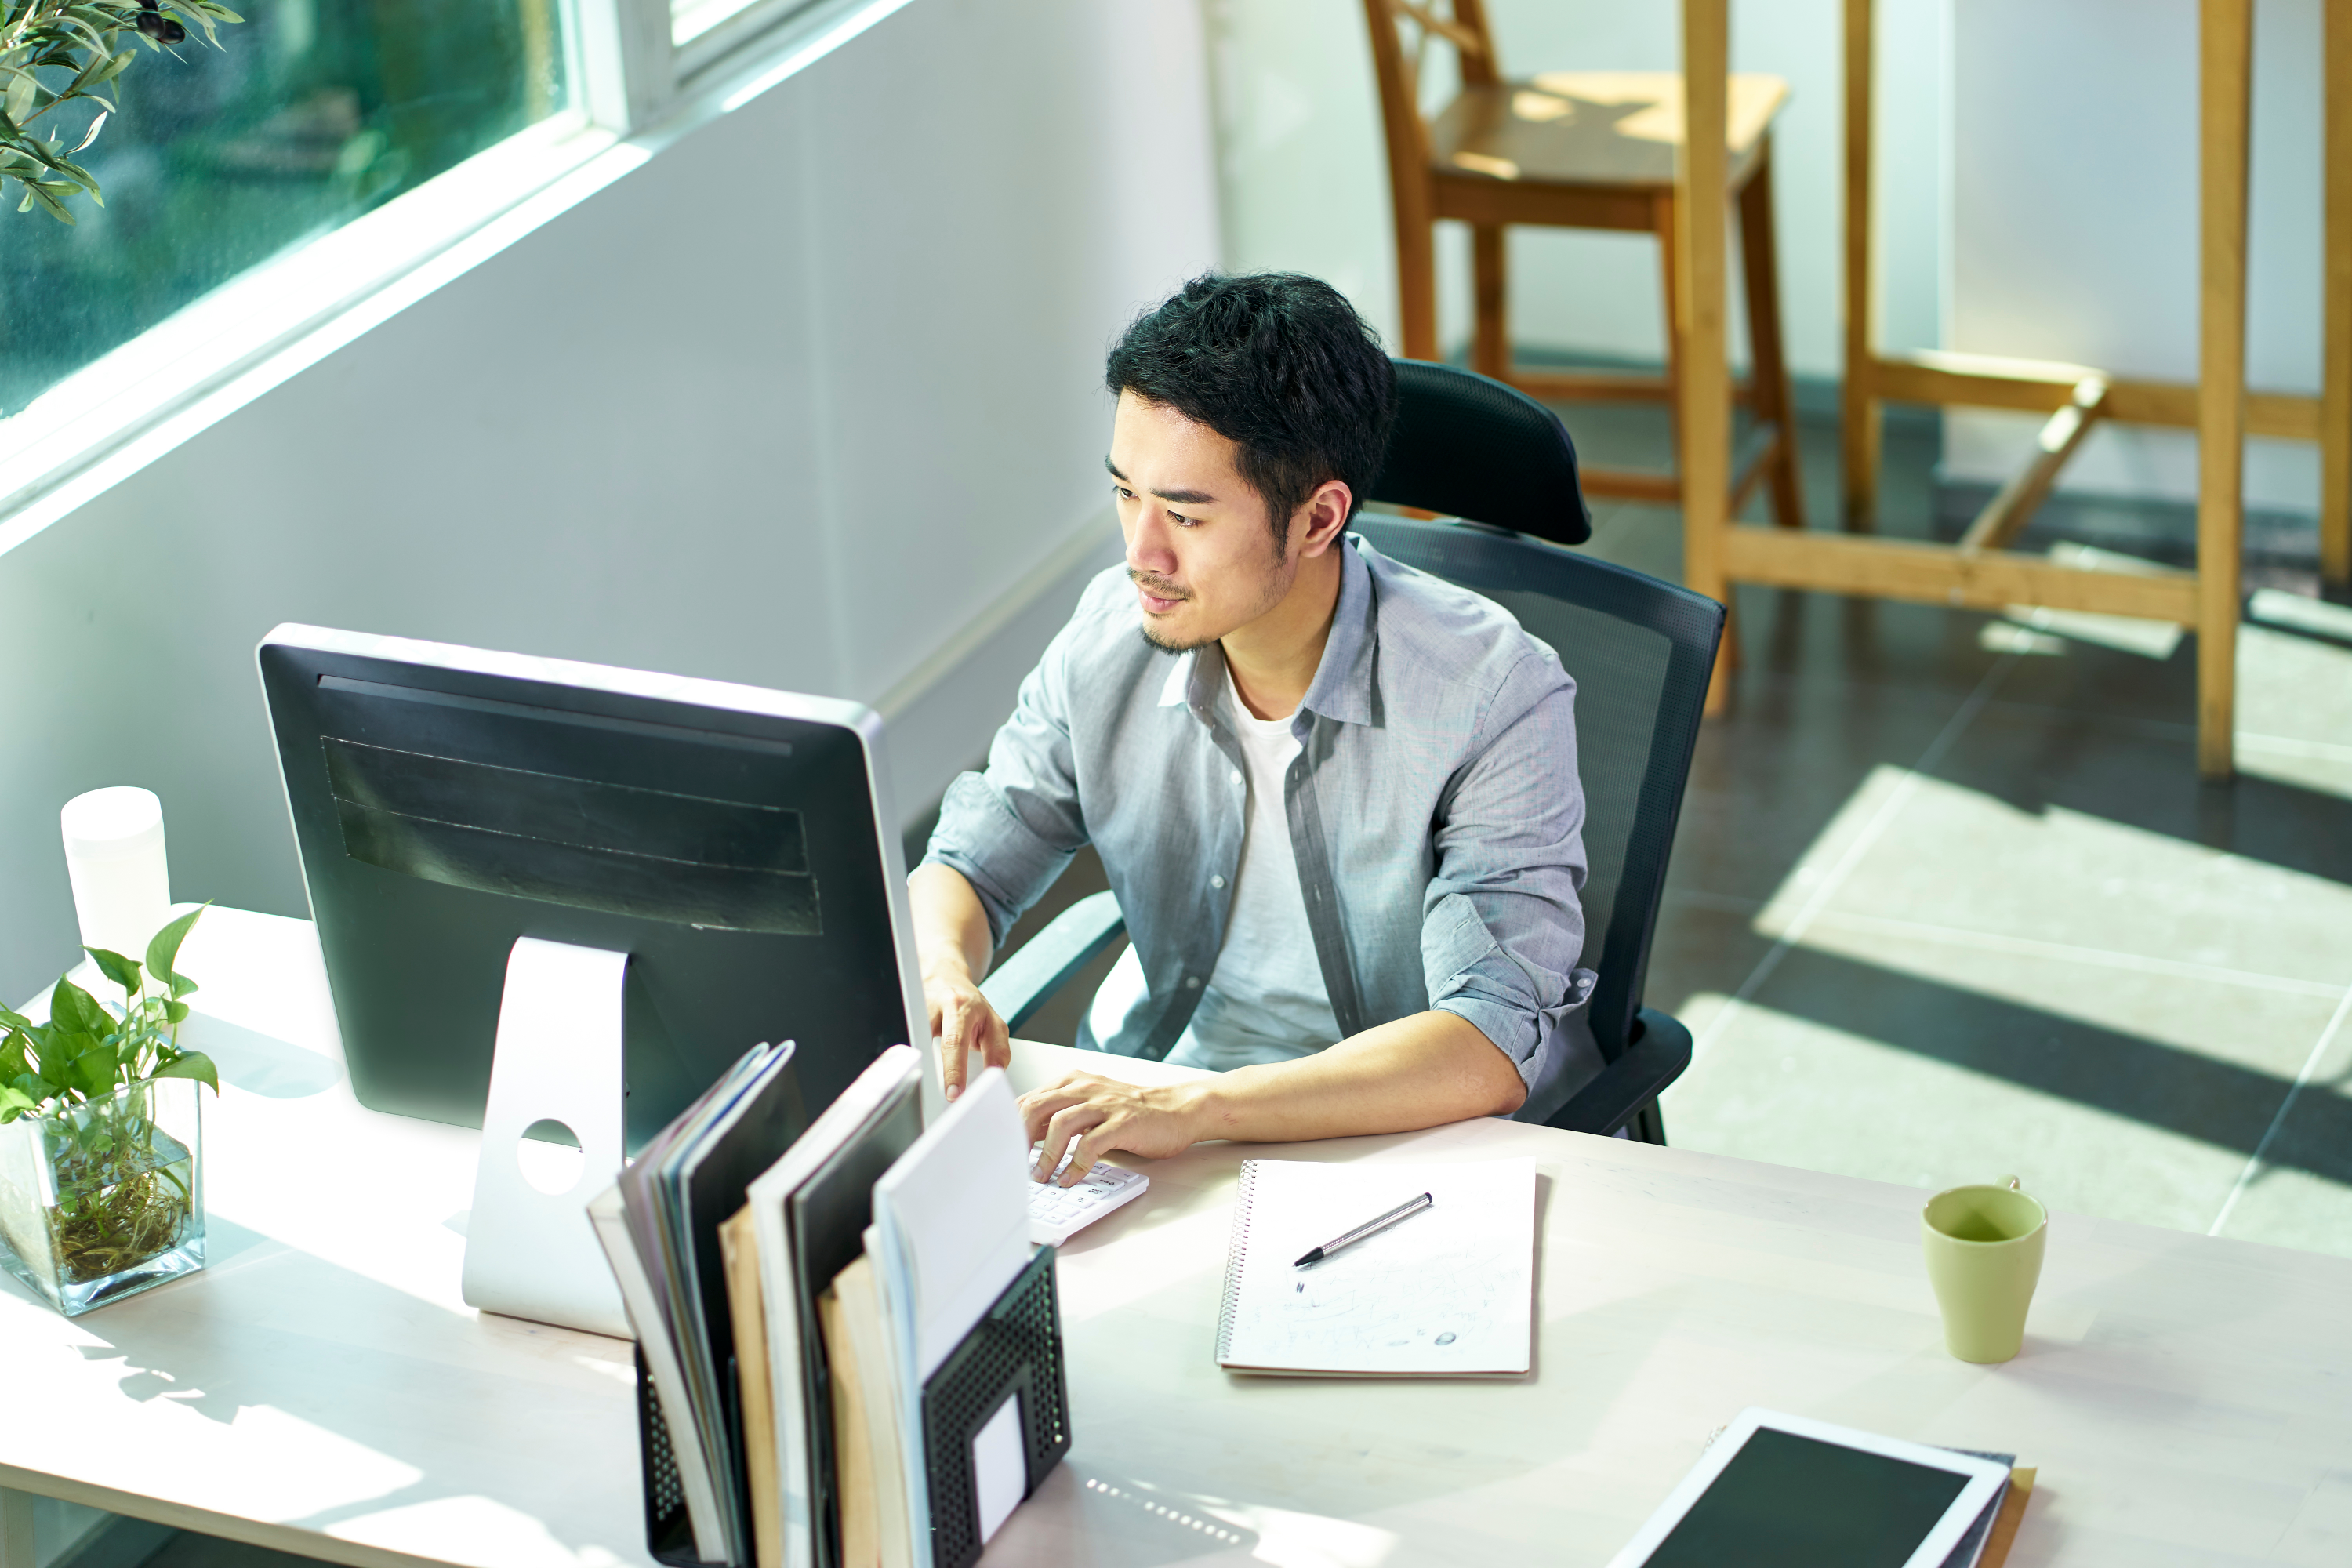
<point x="1180" y="520"/>
<point x="1122" y="492"/>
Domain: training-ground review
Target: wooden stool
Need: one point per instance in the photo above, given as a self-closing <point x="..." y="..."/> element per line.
<point x="1977" y="571"/>
<point x="1577" y="150"/>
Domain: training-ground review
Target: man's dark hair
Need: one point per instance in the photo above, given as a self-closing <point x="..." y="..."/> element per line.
<point x="1277" y="362"/>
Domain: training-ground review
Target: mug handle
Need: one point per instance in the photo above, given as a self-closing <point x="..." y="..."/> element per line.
<point x="2011" y="1183"/>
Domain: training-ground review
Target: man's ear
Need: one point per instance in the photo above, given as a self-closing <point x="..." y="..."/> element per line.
<point x="1327" y="512"/>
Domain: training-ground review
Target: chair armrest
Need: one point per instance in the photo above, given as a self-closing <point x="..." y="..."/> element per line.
<point x="1028" y="978"/>
<point x="1660" y="1050"/>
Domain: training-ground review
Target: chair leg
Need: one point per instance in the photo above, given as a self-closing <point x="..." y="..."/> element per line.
<point x="1648" y="1126"/>
<point x="1775" y="399"/>
<point x="1662" y="223"/>
<point x="1661" y="220"/>
<point x="1859" y="419"/>
<point x="1417" y="286"/>
<point x="2335" y="392"/>
<point x="1490" y="347"/>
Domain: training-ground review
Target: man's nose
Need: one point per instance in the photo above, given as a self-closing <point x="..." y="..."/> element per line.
<point x="1150" y="548"/>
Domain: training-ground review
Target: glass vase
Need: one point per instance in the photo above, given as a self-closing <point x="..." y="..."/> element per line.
<point x="101" y="1200"/>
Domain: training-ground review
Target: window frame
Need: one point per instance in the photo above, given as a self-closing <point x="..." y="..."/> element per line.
<point x="633" y="94"/>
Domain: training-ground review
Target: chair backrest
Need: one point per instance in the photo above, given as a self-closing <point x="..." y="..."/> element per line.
<point x="1469" y="447"/>
<point x="1640" y="652"/>
<point x="1460" y="24"/>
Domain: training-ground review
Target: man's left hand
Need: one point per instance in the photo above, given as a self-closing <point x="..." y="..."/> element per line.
<point x="1091" y="1116"/>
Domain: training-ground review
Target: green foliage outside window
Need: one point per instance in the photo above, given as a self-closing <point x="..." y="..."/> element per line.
<point x="56" y="52"/>
<point x="313" y="114"/>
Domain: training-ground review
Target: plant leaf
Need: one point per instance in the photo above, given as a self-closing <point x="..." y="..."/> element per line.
<point x="15" y="1102"/>
<point x="55" y="1053"/>
<point x="17" y="1021"/>
<point x="164" y="950"/>
<point x="93" y="1071"/>
<point x="122" y="970"/>
<point x="176" y="1011"/>
<point x="90" y="136"/>
<point x="36" y="192"/>
<point x="71" y="1007"/>
<point x="20" y="95"/>
<point x="191" y="1064"/>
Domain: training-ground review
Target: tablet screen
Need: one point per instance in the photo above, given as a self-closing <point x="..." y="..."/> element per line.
<point x="1786" y="1501"/>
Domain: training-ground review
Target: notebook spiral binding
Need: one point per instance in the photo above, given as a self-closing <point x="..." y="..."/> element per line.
<point x="1236" y="1248"/>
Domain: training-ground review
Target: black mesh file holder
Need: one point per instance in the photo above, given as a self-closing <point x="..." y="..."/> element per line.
<point x="1014" y="1350"/>
<point x="669" y="1536"/>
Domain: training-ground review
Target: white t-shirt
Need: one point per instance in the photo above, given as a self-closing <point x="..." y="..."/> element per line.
<point x="1265" y="1001"/>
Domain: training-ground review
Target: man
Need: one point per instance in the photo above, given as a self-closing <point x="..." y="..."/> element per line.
<point x="1336" y="797"/>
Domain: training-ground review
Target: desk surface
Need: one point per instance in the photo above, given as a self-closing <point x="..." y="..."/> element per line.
<point x="322" y="1389"/>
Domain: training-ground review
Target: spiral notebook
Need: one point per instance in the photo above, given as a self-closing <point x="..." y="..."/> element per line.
<point x="1449" y="1292"/>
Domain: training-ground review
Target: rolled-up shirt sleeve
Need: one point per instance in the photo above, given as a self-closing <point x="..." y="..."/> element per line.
<point x="1503" y="922"/>
<point x="1010" y="831"/>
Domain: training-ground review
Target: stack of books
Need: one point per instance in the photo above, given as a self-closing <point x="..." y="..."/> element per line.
<point x="796" y="1288"/>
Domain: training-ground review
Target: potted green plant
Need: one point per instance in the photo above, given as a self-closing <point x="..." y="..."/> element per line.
<point x="101" y="1168"/>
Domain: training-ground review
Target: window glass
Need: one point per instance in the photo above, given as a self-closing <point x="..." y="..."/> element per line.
<point x="310" y="114"/>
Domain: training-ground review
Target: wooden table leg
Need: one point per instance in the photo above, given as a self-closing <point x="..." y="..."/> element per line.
<point x="1703" y="405"/>
<point x="2335" y="392"/>
<point x="2225" y="55"/>
<point x="1860" y="418"/>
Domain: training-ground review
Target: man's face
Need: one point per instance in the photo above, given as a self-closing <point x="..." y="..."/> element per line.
<point x="1198" y="545"/>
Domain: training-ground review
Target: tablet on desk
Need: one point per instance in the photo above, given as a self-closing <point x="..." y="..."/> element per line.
<point x="1781" y="1491"/>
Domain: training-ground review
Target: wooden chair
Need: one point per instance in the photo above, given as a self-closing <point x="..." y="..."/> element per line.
<point x="1576" y="149"/>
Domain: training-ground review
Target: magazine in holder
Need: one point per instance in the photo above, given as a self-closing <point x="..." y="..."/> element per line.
<point x="530" y="1253"/>
<point x="1014" y="1353"/>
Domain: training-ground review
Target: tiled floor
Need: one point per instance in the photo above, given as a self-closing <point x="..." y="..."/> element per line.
<point x="1950" y="902"/>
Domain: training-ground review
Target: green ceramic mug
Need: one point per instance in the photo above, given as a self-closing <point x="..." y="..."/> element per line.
<point x="1984" y="1258"/>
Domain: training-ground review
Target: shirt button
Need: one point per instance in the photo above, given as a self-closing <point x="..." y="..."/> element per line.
<point x="1192" y="983"/>
<point x="1237" y="776"/>
<point x="1216" y="881"/>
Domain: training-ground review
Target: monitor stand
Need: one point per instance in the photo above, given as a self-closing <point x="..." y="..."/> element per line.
<point x="530" y="1253"/>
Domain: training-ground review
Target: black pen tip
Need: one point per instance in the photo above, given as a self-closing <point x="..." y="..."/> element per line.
<point x="1314" y="1256"/>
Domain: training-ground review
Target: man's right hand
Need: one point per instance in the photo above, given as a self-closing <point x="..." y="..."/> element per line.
<point x="962" y="1021"/>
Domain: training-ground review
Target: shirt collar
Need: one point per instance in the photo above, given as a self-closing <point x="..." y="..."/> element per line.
<point x="1342" y="686"/>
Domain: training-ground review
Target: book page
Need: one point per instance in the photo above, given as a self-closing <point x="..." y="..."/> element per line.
<point x="1449" y="1291"/>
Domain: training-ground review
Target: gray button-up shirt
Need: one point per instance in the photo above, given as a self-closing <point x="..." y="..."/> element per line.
<point x="1436" y="813"/>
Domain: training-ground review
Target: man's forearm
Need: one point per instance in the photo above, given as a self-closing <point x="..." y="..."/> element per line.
<point x="1422" y="1071"/>
<point x="949" y="923"/>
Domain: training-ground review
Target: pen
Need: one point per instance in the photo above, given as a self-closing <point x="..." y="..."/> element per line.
<point x="1402" y="1211"/>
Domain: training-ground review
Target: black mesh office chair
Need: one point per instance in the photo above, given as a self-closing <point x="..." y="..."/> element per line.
<point x="1641" y="651"/>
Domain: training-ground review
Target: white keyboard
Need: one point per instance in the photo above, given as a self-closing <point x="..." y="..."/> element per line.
<point x="1057" y="1214"/>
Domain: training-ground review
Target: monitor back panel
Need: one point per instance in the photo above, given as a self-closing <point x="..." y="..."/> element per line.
<point x="441" y="812"/>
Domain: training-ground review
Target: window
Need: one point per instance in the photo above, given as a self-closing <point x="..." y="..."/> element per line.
<point x="312" y="113"/>
<point x="707" y="33"/>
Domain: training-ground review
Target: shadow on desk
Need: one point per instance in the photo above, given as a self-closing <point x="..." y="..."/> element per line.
<point x="282" y="1352"/>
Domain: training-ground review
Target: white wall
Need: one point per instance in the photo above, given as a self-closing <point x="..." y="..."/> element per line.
<point x="1306" y="183"/>
<point x="806" y="401"/>
<point x="2076" y="222"/>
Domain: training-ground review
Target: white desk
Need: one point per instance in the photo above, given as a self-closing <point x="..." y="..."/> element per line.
<point x="321" y="1389"/>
